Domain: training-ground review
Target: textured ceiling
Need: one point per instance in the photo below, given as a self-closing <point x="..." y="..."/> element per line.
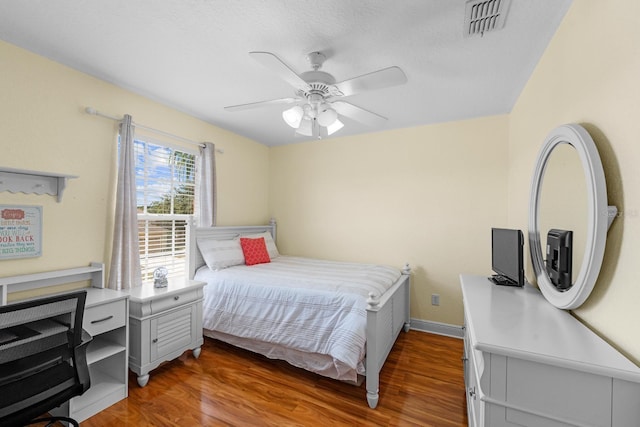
<point x="193" y="54"/>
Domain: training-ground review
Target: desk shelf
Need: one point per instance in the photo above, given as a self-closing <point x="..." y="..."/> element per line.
<point x="25" y="282"/>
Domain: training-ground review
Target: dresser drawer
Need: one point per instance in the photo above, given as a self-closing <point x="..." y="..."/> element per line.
<point x="159" y="305"/>
<point x="105" y="317"/>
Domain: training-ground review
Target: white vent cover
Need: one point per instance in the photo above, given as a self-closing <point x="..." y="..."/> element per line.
<point x="482" y="16"/>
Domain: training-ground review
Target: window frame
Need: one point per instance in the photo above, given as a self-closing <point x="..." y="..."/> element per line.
<point x="178" y="242"/>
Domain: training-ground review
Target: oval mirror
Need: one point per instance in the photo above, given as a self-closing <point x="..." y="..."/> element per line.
<point x="563" y="205"/>
<point x="568" y="194"/>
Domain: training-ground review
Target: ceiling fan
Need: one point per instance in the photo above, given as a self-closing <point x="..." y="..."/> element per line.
<point x="317" y="96"/>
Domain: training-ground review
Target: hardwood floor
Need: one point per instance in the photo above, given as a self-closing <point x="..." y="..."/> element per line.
<point x="421" y="384"/>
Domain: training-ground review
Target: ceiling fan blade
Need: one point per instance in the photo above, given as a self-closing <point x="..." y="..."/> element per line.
<point x="259" y="104"/>
<point x="276" y="65"/>
<point x="387" y="77"/>
<point x="358" y="114"/>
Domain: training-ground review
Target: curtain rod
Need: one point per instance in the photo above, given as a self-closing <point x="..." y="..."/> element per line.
<point x="94" y="112"/>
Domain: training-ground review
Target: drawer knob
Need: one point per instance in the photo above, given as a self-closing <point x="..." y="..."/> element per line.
<point x="93" y="322"/>
<point x="155" y="340"/>
<point x="176" y="298"/>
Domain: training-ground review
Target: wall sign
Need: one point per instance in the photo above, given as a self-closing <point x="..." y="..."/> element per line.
<point x="20" y="231"/>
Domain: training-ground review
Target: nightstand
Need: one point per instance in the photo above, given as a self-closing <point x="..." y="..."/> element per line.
<point x="163" y="324"/>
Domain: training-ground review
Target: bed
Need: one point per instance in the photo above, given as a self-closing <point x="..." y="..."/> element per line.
<point x="336" y="319"/>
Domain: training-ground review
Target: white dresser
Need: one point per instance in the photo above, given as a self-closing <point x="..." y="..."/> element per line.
<point x="528" y="363"/>
<point x="164" y="323"/>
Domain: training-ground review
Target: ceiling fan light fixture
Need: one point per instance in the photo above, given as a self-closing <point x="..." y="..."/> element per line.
<point x="293" y="116"/>
<point x="309" y="111"/>
<point x="306" y="127"/>
<point x="334" y="127"/>
<point x="327" y="117"/>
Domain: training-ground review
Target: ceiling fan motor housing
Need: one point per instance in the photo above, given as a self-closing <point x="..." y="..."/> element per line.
<point x="319" y="81"/>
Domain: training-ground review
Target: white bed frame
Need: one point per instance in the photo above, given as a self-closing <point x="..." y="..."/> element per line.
<point x="387" y="314"/>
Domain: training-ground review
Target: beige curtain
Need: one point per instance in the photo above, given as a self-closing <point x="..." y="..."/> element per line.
<point x="206" y="186"/>
<point x="125" y="258"/>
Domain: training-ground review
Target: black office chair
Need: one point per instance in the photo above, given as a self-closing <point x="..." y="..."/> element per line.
<point x="42" y="358"/>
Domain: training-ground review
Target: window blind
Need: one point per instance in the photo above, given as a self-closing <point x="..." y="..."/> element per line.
<point x="165" y="183"/>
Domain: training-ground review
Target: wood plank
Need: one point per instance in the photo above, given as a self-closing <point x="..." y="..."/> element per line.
<point x="421" y="384"/>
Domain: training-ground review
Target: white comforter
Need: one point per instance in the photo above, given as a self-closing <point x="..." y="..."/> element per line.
<point x="306" y="305"/>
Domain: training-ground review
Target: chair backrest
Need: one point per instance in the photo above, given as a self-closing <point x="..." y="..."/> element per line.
<point x="42" y="356"/>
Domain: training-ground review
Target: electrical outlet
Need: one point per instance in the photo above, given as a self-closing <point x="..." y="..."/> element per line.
<point x="435" y="299"/>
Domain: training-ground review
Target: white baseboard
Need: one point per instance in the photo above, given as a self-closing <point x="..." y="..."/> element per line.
<point x="454" y="331"/>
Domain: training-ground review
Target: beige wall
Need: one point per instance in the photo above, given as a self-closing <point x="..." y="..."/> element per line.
<point x="590" y="74"/>
<point x="426" y="195"/>
<point x="43" y="127"/>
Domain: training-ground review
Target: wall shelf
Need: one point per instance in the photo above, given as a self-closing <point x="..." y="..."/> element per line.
<point x="33" y="182"/>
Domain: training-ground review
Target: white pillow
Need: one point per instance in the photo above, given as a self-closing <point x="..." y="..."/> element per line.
<point x="221" y="253"/>
<point x="272" y="249"/>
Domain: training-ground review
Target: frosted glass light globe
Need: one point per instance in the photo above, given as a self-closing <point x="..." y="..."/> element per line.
<point x="327" y="117"/>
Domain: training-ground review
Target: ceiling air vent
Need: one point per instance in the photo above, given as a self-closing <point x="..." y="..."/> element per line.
<point x="482" y="16"/>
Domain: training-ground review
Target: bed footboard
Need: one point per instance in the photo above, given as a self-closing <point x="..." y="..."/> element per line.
<point x="386" y="316"/>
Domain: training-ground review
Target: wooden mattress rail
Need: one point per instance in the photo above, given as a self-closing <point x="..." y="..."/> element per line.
<point x="387" y="314"/>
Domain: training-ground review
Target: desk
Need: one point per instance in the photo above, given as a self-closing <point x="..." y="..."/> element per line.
<point x="105" y="318"/>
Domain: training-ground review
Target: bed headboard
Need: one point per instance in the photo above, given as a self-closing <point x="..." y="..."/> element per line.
<point x="194" y="257"/>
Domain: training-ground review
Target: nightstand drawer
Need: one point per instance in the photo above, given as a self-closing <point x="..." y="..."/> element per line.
<point x="105" y="317"/>
<point x="166" y="303"/>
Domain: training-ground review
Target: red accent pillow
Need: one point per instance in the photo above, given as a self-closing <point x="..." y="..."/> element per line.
<point x="254" y="250"/>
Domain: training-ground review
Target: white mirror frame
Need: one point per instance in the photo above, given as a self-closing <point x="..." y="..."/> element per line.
<point x="599" y="217"/>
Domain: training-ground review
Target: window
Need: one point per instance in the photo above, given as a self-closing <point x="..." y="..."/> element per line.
<point x="165" y="183"/>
